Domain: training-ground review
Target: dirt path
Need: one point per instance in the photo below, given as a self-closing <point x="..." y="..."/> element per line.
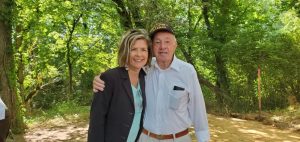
<point x="222" y="130"/>
<point x="237" y="130"/>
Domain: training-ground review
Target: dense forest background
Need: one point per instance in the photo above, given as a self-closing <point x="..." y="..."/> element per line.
<point x="50" y="50"/>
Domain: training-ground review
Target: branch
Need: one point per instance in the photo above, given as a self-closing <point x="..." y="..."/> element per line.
<point x="125" y="17"/>
<point x="39" y="88"/>
<point x="212" y="87"/>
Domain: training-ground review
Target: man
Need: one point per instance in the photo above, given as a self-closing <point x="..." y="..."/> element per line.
<point x="174" y="99"/>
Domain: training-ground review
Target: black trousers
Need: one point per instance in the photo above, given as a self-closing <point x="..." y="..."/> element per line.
<point x="4" y="127"/>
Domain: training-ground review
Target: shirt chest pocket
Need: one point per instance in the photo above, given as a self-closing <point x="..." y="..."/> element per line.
<point x="177" y="99"/>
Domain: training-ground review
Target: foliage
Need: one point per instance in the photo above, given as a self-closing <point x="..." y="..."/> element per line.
<point x="46" y="30"/>
<point x="62" y="45"/>
<point x="67" y="110"/>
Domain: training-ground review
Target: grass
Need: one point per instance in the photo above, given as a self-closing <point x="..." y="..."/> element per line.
<point x="70" y="111"/>
<point x="288" y="114"/>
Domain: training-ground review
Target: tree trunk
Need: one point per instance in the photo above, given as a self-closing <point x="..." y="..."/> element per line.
<point x="125" y="17"/>
<point x="70" y="71"/>
<point x="187" y="52"/>
<point x="5" y="61"/>
<point x="6" y="93"/>
<point x="7" y="70"/>
<point x="19" y="61"/>
<point x="68" y="56"/>
<point x="134" y="10"/>
<point x="222" y="81"/>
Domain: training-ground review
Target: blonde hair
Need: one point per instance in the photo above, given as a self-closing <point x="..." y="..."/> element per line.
<point x="129" y="38"/>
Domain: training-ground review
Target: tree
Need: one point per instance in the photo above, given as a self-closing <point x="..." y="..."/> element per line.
<point x="7" y="68"/>
<point x="60" y="46"/>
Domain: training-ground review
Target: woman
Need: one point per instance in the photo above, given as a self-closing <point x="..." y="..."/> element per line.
<point x="117" y="112"/>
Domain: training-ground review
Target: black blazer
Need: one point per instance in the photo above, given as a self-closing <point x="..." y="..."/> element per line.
<point x="112" y="110"/>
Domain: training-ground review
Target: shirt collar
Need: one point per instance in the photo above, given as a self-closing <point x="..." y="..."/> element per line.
<point x="174" y="65"/>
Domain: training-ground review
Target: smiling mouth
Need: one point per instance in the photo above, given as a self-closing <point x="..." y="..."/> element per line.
<point x="163" y="53"/>
<point x="139" y="60"/>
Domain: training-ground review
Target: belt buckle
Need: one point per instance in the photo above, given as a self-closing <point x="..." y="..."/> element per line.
<point x="160" y="137"/>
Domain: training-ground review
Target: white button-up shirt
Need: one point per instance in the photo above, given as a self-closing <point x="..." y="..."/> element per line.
<point x="175" y="100"/>
<point x="2" y="109"/>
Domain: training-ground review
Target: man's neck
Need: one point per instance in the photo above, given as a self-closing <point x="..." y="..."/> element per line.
<point x="164" y="65"/>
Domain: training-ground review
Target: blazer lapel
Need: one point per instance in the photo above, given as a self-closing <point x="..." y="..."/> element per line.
<point x="142" y="85"/>
<point x="127" y="85"/>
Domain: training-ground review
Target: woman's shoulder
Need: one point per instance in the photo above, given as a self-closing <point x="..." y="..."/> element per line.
<point x="113" y="73"/>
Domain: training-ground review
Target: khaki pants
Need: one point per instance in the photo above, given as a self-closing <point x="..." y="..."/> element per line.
<point x="146" y="138"/>
<point x="4" y="125"/>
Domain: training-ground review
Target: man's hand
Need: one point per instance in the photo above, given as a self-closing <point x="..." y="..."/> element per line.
<point x="98" y="84"/>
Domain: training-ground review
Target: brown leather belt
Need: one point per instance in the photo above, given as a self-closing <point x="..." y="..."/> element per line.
<point x="166" y="136"/>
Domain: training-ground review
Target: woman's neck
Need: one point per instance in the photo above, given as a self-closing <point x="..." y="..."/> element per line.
<point x="134" y="77"/>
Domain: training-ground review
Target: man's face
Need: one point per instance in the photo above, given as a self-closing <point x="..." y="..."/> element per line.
<point x="164" y="45"/>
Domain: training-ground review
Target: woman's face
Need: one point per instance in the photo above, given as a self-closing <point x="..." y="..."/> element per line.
<point x="138" y="55"/>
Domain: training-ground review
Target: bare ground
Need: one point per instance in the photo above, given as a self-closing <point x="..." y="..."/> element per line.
<point x="222" y="130"/>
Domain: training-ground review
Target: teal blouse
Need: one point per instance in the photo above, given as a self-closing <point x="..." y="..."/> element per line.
<point x="138" y="107"/>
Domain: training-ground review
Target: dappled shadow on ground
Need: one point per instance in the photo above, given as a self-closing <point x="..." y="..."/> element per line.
<point x="55" y="130"/>
<point x="232" y="129"/>
<point x="66" y="133"/>
<point x="222" y="130"/>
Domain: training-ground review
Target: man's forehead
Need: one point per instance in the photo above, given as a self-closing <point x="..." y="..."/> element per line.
<point x="163" y="35"/>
